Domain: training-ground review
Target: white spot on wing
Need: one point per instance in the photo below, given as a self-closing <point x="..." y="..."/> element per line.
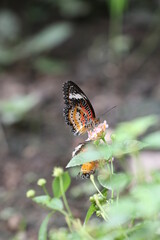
<point x="77" y="149"/>
<point x="76" y="96"/>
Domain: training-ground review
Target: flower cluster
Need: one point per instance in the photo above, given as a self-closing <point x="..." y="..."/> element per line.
<point x="98" y="132"/>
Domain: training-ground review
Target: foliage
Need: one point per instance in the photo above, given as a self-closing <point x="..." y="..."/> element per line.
<point x="153" y="140"/>
<point x="126" y="203"/>
<point x="12" y="111"/>
<point x="50" y="37"/>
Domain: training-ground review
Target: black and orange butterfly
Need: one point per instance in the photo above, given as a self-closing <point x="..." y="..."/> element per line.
<point x="80" y="116"/>
<point x="78" y="111"/>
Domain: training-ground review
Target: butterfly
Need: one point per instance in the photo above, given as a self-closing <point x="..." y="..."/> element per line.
<point x="87" y="168"/>
<point x="78" y="111"/>
<point x="80" y="116"/>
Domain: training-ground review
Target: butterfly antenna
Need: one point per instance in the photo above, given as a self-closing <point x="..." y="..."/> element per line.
<point x="108" y="111"/>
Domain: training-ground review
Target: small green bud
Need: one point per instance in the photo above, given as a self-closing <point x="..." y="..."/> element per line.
<point x="113" y="137"/>
<point x="101" y="199"/>
<point x="91" y="199"/>
<point x="95" y="196"/>
<point x="57" y="172"/>
<point x="30" y="193"/>
<point x="96" y="207"/>
<point x="98" y="213"/>
<point x="41" y="182"/>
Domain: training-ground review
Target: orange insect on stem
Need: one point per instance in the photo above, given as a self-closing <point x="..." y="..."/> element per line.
<point x="89" y="167"/>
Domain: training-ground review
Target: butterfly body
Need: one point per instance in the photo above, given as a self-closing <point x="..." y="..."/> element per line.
<point x="88" y="168"/>
<point x="78" y="111"/>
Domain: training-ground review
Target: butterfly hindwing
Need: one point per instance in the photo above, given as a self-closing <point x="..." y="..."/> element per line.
<point x="78" y="111"/>
<point x="87" y="168"/>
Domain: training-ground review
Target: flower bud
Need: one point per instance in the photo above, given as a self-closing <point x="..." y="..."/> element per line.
<point x="91" y="199"/>
<point x="30" y="193"/>
<point x="41" y="182"/>
<point x="57" y="172"/>
<point x="98" y="132"/>
<point x="98" y="213"/>
<point x="101" y="199"/>
<point x="95" y="196"/>
<point x="96" y="207"/>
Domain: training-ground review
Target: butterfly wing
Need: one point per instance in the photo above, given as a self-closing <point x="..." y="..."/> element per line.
<point x="87" y="168"/>
<point x="79" y="113"/>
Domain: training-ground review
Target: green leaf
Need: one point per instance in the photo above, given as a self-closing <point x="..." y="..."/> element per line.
<point x="116" y="181"/>
<point x="117" y="7"/>
<point x="156" y="176"/>
<point x="13" y="110"/>
<point x="44" y="200"/>
<point x="104" y="192"/>
<point x="55" y="204"/>
<point x="121" y="212"/>
<point x="148" y="199"/>
<point x="42" y="235"/>
<point x="127" y="146"/>
<point x="135" y="128"/>
<point x="153" y="140"/>
<point x="56" y="184"/>
<point x="143" y="230"/>
<point x="92" y="153"/>
<point x="51" y="66"/>
<point x="48" y="38"/>
<point x="59" y="234"/>
<point x="90" y="212"/>
<point x="74" y="8"/>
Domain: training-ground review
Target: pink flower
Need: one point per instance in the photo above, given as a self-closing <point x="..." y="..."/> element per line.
<point x="98" y="131"/>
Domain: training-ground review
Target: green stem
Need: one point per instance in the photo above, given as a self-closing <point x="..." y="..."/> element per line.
<point x="92" y="180"/>
<point x="112" y="194"/>
<point x="63" y="212"/>
<point x="117" y="200"/>
<point x="140" y="170"/>
<point x="104" y="140"/>
<point x="64" y="198"/>
<point x="103" y="213"/>
<point x="124" y="233"/>
<point x="112" y="170"/>
<point x="45" y="191"/>
<point x="68" y="221"/>
<point x="109" y="169"/>
<point x="97" y="202"/>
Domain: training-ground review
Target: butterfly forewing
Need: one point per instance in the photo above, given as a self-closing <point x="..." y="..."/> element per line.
<point x="78" y="111"/>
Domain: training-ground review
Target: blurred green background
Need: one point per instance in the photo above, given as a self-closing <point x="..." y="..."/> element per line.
<point x="110" y="48"/>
